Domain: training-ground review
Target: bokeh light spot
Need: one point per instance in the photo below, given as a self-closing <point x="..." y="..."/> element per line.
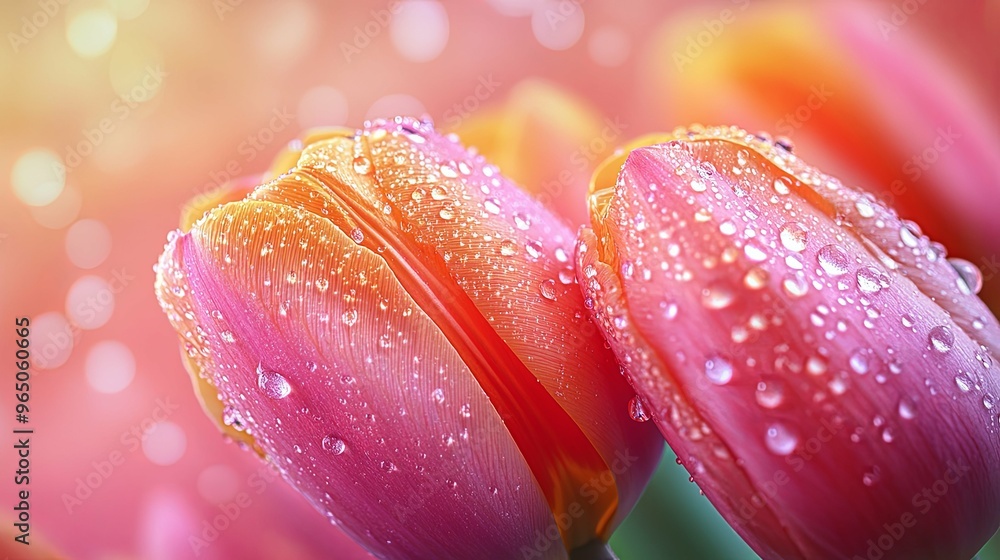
<point x="110" y="366"/>
<point x="129" y="9"/>
<point x="91" y="31"/>
<point x="61" y="212"/>
<point x="419" y="30"/>
<point x="88" y="243"/>
<point x="90" y="302"/>
<point x="558" y="25"/>
<point x="164" y="444"/>
<point x="38" y="177"/>
<point x="51" y="340"/>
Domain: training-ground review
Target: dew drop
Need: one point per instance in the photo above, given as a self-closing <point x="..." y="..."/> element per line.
<point x="438" y="395"/>
<point x="907" y="410"/>
<point x="322" y="284"/>
<point x="834" y="260"/>
<point x="548" y="289"/>
<point x="860" y="360"/>
<point x="334" y="445"/>
<point x="439" y="193"/>
<point x="446" y="214"/>
<point x="717" y="296"/>
<point x="272" y="383"/>
<point x="793" y="236"/>
<point x="963" y="383"/>
<point x="349" y="317"/>
<point x="508" y="247"/>
<point x="357" y="235"/>
<point x="754" y="252"/>
<point x="770" y="393"/>
<point x="718" y="370"/>
<point x="941" y="338"/>
<point x="266" y="249"/>
<point x="521" y="221"/>
<point x="533" y="248"/>
<point x="232" y="417"/>
<point x="871" y="280"/>
<point x="362" y="165"/>
<point x="636" y="410"/>
<point x="970" y="278"/>
<point x="227" y="336"/>
<point x="755" y="278"/>
<point x="989" y="402"/>
<point x="780" y="439"/>
<point x="795" y="285"/>
<point x="782" y="185"/>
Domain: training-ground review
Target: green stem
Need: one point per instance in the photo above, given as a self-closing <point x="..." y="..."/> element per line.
<point x="594" y="550"/>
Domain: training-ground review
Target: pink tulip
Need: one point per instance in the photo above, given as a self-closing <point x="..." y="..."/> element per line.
<point x="824" y="373"/>
<point x="397" y="327"/>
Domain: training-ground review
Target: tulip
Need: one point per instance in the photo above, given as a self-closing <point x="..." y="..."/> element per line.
<point x="397" y="328"/>
<point x="862" y="93"/>
<point x="827" y="377"/>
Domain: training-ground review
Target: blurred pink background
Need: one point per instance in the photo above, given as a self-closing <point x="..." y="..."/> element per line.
<point x="116" y="112"/>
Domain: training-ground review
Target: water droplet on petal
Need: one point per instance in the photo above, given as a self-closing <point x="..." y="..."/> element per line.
<point x="357" y="235"/>
<point x="780" y="439"/>
<point x="941" y="338"/>
<point x="636" y="410"/>
<point x="349" y="317"/>
<point x="718" y="370"/>
<point x="793" y="236"/>
<point x="970" y="278"/>
<point x="795" y="285"/>
<point x="362" y="165"/>
<point x="272" y="383"/>
<point x="770" y="393"/>
<point x="782" y="185"/>
<point x="334" y="445"/>
<point x="717" y="296"/>
<point x="860" y="360"/>
<point x="548" y="289"/>
<point x="871" y="280"/>
<point x="834" y="260"/>
<point x="438" y="395"/>
<point x="907" y="410"/>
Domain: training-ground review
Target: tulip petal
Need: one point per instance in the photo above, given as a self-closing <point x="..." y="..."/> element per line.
<point x="813" y="365"/>
<point x="375" y="227"/>
<point x="275" y="352"/>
